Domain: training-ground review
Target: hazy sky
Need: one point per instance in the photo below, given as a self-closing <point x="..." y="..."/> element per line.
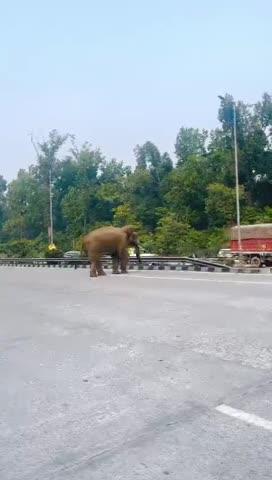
<point x="118" y="72"/>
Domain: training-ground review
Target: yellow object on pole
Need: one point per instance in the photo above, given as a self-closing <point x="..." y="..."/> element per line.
<point x="52" y="247"/>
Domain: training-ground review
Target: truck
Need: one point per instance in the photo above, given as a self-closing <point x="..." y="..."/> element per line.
<point x="256" y="243"/>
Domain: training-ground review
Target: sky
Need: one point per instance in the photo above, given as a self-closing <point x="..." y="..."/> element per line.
<point x="118" y="73"/>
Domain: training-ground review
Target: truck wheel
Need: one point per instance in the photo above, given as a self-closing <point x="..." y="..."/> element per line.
<point x="255" y="262"/>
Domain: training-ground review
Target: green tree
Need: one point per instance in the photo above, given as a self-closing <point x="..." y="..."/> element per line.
<point x="142" y="194"/>
<point x="263" y="110"/>
<point x="3" y="188"/>
<point x="254" y="143"/>
<point x="75" y="208"/>
<point x="217" y="239"/>
<point x="147" y="155"/>
<point x="190" y="142"/>
<point x="46" y="171"/>
<point x="251" y="215"/>
<point x="221" y="205"/>
<point x="123" y="215"/>
<point x="177" y="238"/>
<point x="110" y="193"/>
<point x="47" y="155"/>
<point x="144" y="189"/>
<point x="188" y="191"/>
<point x="25" y="203"/>
<point x="194" y="243"/>
<point x="220" y="167"/>
<point x="169" y="235"/>
<point x="81" y="206"/>
<point x="113" y="171"/>
<point x="89" y="162"/>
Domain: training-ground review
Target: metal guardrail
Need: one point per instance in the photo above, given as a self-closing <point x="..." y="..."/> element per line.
<point x="155" y="261"/>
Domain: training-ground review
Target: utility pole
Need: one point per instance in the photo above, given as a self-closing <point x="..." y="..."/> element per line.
<point x="51" y="236"/>
<point x="238" y="219"/>
<point x="51" y="226"/>
<point x="237" y="179"/>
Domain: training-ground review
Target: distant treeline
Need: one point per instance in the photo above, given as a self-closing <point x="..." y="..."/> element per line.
<point x="183" y="206"/>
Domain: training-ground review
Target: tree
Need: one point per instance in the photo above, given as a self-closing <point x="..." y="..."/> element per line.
<point x="124" y="215"/>
<point x="144" y="189"/>
<point x="3" y="187"/>
<point x="81" y="206"/>
<point x="143" y="196"/>
<point x="147" y="155"/>
<point x="75" y="209"/>
<point x="190" y="142"/>
<point x="89" y="162"/>
<point x="113" y="171"/>
<point x="46" y="169"/>
<point x="226" y="117"/>
<point x="47" y="152"/>
<point x="220" y="167"/>
<point x="217" y="239"/>
<point x="169" y="235"/>
<point x="221" y="205"/>
<point x="95" y="192"/>
<point x="111" y="188"/>
<point x="25" y="202"/>
<point x="188" y="191"/>
<point x="253" y="137"/>
<point x="264" y="112"/>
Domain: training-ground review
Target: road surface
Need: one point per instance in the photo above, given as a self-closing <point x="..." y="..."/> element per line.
<point x="152" y="375"/>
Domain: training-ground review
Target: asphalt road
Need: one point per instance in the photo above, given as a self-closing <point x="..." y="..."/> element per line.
<point x="152" y="375"/>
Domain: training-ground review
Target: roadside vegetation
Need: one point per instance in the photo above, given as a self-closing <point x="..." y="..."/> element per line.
<point x="181" y="206"/>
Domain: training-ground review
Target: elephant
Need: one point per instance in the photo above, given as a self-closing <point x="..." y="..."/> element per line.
<point x="113" y="241"/>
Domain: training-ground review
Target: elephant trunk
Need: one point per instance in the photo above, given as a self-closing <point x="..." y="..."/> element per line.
<point x="137" y="252"/>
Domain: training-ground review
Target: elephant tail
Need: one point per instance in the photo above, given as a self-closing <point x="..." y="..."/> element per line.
<point x="83" y="248"/>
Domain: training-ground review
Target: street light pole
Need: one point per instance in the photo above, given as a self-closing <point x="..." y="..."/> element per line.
<point x="51" y="236"/>
<point x="236" y="174"/>
<point x="51" y="227"/>
<point x="237" y="179"/>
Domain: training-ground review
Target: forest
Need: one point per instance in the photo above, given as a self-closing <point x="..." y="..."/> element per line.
<point x="182" y="206"/>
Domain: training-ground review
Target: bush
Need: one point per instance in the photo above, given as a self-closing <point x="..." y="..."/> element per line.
<point x="217" y="239"/>
<point x="169" y="235"/>
<point x="194" y="243"/>
<point x="22" y="248"/>
<point x="56" y="253"/>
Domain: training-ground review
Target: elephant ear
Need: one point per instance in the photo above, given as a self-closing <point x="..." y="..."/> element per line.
<point x="130" y="233"/>
<point x="129" y="230"/>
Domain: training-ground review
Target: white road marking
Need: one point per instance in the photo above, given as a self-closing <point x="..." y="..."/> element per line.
<point x="204" y="279"/>
<point x="248" y="418"/>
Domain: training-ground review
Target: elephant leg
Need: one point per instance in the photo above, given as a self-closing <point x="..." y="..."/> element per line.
<point x="96" y="266"/>
<point x="93" y="272"/>
<point x="124" y="259"/>
<point x="99" y="268"/>
<point x="115" y="264"/>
